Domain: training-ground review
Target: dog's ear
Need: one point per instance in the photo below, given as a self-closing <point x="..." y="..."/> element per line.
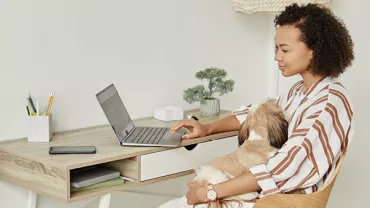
<point x="277" y="129"/>
<point x="244" y="132"/>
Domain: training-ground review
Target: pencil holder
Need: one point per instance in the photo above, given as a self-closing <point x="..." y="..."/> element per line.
<point x="39" y="128"/>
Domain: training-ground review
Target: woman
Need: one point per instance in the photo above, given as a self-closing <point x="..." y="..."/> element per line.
<point x="312" y="42"/>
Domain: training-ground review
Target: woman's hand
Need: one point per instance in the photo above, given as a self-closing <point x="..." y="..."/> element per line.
<point x="196" y="194"/>
<point x="196" y="129"/>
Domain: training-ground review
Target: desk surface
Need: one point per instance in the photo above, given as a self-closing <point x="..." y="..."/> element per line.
<point x="103" y="138"/>
<point x="30" y="165"/>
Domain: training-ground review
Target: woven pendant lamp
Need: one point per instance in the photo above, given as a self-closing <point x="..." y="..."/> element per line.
<point x="269" y="6"/>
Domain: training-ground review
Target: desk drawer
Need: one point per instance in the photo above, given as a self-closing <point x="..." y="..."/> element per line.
<point x="180" y="159"/>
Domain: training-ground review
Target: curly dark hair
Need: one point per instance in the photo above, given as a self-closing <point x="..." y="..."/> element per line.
<point x="322" y="32"/>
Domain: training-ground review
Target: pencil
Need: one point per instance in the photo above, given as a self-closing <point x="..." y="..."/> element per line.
<point x="51" y="99"/>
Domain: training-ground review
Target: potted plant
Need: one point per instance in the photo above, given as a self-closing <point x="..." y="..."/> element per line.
<point x="209" y="104"/>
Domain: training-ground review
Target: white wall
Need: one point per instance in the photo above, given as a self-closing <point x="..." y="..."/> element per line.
<point x="351" y="188"/>
<point x="149" y="49"/>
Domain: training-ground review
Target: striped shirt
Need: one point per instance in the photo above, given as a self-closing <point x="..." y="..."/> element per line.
<point x="320" y="129"/>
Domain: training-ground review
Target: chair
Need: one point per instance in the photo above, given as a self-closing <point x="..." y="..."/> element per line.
<point x="318" y="199"/>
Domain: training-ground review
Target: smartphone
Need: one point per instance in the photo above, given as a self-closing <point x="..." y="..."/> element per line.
<point x="72" y="150"/>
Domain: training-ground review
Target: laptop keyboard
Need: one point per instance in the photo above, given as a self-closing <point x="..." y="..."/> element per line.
<point x="146" y="135"/>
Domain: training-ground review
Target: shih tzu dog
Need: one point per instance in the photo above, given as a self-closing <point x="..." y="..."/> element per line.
<point x="263" y="132"/>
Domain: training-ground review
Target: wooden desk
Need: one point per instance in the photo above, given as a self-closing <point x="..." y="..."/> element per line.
<point x="30" y="165"/>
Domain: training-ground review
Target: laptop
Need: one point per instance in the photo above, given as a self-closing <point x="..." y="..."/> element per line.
<point x="126" y="132"/>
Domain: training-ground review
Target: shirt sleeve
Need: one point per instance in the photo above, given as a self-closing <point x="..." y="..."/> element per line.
<point x="318" y="138"/>
<point x="241" y="113"/>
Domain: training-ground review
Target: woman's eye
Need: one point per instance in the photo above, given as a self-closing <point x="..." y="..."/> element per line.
<point x="284" y="51"/>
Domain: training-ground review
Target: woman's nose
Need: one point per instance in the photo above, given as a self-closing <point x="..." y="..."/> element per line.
<point x="278" y="57"/>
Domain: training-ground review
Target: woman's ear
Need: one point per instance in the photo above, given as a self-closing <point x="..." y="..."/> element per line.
<point x="244" y="132"/>
<point x="277" y="129"/>
<point x="310" y="54"/>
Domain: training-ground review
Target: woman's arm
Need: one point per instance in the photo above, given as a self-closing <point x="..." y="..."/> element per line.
<point x="242" y="184"/>
<point x="230" y="123"/>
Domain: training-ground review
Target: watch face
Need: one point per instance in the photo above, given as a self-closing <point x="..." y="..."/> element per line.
<point x="211" y="195"/>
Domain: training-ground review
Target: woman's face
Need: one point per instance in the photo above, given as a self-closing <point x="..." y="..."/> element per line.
<point x="292" y="54"/>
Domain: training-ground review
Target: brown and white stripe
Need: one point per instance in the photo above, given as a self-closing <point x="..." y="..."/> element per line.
<point x="294" y="88"/>
<point x="317" y="102"/>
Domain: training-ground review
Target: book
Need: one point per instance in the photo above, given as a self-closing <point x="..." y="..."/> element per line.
<point x="91" y="175"/>
<point x="112" y="182"/>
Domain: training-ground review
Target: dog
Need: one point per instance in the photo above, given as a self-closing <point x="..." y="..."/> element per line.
<point x="263" y="132"/>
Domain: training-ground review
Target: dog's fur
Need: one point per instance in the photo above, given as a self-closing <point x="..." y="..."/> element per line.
<point x="263" y="132"/>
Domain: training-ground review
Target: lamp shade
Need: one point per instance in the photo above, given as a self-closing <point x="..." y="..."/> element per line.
<point x="269" y="6"/>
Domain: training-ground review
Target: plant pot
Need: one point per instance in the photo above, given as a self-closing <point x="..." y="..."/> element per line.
<point x="210" y="107"/>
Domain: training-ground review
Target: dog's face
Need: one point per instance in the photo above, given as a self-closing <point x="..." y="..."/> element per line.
<point x="265" y="121"/>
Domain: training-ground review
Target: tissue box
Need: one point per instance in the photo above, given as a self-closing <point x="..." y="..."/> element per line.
<point x="169" y="113"/>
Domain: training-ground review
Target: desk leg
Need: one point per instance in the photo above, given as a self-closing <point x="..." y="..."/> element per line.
<point x="104" y="201"/>
<point x="32" y="198"/>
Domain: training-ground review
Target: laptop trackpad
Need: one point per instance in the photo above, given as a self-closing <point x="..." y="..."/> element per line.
<point x="176" y="135"/>
<point x="180" y="132"/>
<point x="172" y="140"/>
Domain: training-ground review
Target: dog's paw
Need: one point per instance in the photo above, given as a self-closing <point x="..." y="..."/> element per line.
<point x="210" y="174"/>
<point x="249" y="196"/>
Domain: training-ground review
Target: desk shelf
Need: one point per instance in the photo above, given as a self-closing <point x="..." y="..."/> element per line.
<point x="80" y="195"/>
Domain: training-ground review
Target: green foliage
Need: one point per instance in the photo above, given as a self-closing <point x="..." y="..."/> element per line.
<point x="216" y="84"/>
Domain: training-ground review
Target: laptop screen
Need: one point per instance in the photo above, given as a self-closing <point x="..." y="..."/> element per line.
<point x="115" y="111"/>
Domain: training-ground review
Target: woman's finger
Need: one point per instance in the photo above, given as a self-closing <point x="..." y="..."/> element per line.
<point x="190" y="135"/>
<point x="180" y="124"/>
<point x="175" y="127"/>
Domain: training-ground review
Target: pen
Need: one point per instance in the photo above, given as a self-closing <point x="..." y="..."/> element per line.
<point x="31" y="102"/>
<point x="29" y="107"/>
<point x="28" y="111"/>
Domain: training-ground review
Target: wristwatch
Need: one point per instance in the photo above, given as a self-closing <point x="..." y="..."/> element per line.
<point x="211" y="193"/>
